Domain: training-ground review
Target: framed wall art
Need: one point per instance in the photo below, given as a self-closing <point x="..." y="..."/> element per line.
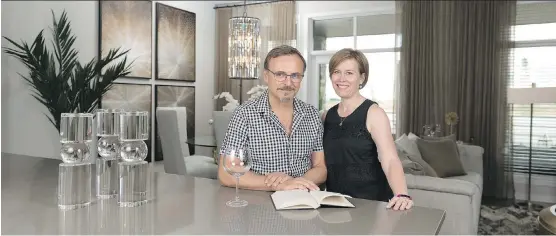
<point x="128" y="25"/>
<point x="175" y="43"/>
<point x="176" y="96"/>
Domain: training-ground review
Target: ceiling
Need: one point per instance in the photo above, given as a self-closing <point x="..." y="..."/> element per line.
<point x="224" y="3"/>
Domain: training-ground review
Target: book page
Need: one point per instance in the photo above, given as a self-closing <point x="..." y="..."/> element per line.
<point x="331" y="198"/>
<point x="294" y="199"/>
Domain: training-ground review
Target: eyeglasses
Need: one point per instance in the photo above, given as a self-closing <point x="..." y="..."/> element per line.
<point x="280" y="76"/>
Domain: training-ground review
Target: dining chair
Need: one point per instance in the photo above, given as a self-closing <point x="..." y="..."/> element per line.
<point x="221" y="119"/>
<point x="172" y="129"/>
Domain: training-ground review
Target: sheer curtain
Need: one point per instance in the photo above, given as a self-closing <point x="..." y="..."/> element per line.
<point x="278" y="27"/>
<point x="455" y="57"/>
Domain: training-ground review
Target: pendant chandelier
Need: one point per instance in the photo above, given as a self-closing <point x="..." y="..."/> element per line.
<point x="244" y="46"/>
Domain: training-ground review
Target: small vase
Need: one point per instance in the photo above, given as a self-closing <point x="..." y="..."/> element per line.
<point x="134" y="172"/>
<point x="108" y="147"/>
<point x="74" y="174"/>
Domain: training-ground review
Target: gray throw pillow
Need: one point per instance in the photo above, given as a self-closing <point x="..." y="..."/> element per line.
<point x="443" y="156"/>
<point x="415" y="165"/>
<point x="413" y="168"/>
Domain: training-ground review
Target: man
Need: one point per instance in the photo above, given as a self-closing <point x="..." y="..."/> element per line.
<point x="283" y="133"/>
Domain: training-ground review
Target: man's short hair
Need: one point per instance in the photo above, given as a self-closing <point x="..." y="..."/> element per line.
<point x="283" y="50"/>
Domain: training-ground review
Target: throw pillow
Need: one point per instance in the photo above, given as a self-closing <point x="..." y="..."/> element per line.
<point x="443" y="156"/>
<point x="409" y="166"/>
<point x="419" y="168"/>
<point x="408" y="145"/>
<point x="412" y="168"/>
<point x="412" y="136"/>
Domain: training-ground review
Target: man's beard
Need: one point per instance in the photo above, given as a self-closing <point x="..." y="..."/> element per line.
<point x="285" y="100"/>
<point x="286" y="88"/>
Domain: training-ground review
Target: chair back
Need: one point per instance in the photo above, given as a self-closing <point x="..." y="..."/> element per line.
<point x="172" y="129"/>
<point x="221" y="119"/>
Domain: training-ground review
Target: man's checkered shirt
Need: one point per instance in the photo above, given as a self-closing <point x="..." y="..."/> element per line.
<point x="253" y="125"/>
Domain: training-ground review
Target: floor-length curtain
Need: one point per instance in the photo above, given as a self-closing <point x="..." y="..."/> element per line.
<point x="278" y="27"/>
<point x="455" y="57"/>
<point x="222" y="83"/>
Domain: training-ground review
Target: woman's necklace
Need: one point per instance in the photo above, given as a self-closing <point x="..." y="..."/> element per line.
<point x="342" y="120"/>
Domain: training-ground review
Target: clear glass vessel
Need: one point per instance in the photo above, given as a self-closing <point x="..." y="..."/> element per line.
<point x="108" y="129"/>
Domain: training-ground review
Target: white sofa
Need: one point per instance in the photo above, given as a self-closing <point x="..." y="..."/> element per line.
<point x="459" y="196"/>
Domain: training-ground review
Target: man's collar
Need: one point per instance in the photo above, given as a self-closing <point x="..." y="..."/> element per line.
<point x="263" y="104"/>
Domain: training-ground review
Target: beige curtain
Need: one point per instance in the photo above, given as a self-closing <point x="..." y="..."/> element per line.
<point x="455" y="56"/>
<point x="278" y="27"/>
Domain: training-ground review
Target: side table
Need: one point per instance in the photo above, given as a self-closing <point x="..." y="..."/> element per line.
<point x="547" y="221"/>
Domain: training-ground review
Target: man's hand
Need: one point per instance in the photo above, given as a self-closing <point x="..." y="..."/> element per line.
<point x="297" y="183"/>
<point x="276" y="178"/>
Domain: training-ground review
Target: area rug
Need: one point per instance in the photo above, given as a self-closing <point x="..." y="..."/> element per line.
<point x="507" y="220"/>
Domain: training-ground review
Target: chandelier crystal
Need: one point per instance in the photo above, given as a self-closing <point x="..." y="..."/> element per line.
<point x="244" y="46"/>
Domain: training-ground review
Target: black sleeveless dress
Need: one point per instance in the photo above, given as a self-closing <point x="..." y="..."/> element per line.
<point x="351" y="156"/>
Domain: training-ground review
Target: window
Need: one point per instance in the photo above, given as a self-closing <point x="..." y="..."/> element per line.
<point x="532" y="134"/>
<point x="332" y="34"/>
<point x="532" y="90"/>
<point x="375" y="36"/>
<point x="534" y="65"/>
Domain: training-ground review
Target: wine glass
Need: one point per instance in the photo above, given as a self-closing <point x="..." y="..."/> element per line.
<point x="436" y="130"/>
<point x="427" y="130"/>
<point x="236" y="163"/>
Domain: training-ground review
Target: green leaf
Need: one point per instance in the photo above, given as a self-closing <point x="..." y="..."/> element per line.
<point x="57" y="80"/>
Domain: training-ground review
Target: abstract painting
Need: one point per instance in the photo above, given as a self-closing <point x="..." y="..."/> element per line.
<point x="175" y="43"/>
<point x="176" y="96"/>
<point x="128" y="25"/>
<point x="130" y="97"/>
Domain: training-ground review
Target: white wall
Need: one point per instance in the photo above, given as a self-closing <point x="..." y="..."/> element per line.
<point x="318" y="9"/>
<point x="25" y="130"/>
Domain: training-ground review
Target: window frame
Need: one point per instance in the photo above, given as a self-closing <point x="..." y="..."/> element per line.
<point x="315" y="57"/>
<point x="529" y="97"/>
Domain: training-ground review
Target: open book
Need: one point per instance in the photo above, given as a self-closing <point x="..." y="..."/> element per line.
<point x="301" y="199"/>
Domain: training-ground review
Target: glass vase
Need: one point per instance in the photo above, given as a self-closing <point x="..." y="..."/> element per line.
<point x="74" y="174"/>
<point x="108" y="129"/>
<point x="134" y="172"/>
<point x="108" y="147"/>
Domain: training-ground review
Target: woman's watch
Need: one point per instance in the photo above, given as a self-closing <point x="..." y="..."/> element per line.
<point x="404" y="195"/>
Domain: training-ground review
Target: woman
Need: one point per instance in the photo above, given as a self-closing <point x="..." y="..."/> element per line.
<point x="361" y="156"/>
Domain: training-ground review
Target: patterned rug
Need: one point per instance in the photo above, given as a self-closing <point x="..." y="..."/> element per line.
<point x="507" y="220"/>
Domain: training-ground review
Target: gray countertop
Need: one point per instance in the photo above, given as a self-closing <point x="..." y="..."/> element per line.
<point x="186" y="205"/>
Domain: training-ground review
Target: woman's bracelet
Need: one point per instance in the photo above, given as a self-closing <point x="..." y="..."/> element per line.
<point x="404" y="195"/>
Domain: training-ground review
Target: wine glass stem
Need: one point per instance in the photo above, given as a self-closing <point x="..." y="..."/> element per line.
<point x="237" y="183"/>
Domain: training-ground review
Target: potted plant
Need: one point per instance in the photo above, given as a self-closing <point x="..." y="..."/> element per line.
<point x="57" y="78"/>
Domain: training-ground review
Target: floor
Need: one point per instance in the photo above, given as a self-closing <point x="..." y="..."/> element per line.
<point x="508" y="218"/>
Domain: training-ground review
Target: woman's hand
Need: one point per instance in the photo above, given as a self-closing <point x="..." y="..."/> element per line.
<point x="400" y="203"/>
